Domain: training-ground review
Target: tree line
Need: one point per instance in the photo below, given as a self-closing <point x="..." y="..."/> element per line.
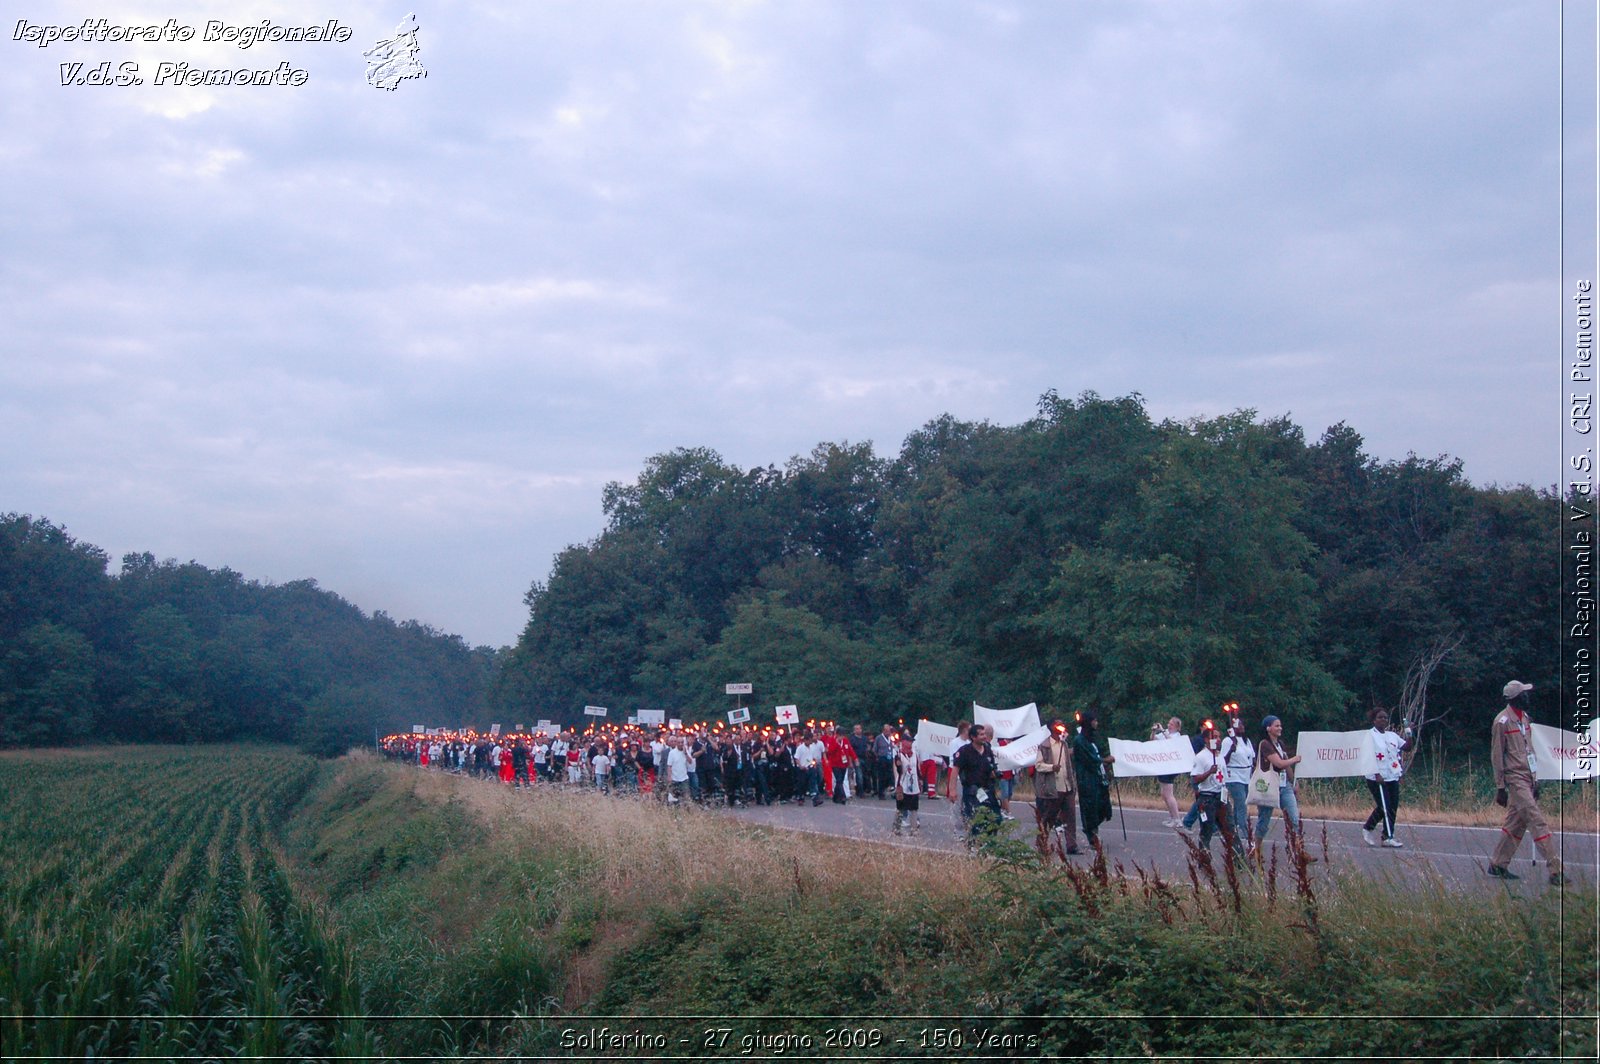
<point x="169" y="652"/>
<point x="1088" y="556"/>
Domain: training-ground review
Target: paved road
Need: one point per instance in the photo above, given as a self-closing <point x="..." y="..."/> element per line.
<point x="1458" y="856"/>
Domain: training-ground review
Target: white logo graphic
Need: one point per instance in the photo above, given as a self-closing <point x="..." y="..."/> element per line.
<point x="391" y="61"/>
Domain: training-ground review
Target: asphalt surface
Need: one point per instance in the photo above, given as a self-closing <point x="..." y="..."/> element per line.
<point x="1458" y="857"/>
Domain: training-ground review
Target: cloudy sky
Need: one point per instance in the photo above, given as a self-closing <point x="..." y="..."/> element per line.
<point x="397" y="341"/>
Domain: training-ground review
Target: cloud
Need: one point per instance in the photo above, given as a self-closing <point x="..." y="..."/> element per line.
<point x="445" y="315"/>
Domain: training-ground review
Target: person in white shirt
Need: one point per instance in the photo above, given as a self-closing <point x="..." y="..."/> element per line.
<point x="1385" y="783"/>
<point x="808" y="762"/>
<point x="558" y="757"/>
<point x="1238" y="757"/>
<point x="1208" y="775"/>
<point x="907" y="789"/>
<point x="602" y="770"/>
<point x="677" y="770"/>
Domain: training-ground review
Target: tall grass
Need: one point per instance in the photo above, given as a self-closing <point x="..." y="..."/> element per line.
<point x="561" y="911"/>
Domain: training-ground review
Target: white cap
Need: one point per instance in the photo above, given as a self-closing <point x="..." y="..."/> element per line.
<point x="1515" y="688"/>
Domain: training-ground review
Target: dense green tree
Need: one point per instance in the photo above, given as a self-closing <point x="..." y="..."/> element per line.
<point x="180" y="652"/>
<point x="46" y="575"/>
<point x="47" y="680"/>
<point x="339" y="718"/>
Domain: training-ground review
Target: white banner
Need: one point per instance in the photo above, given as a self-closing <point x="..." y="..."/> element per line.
<point x="1020" y="753"/>
<point x="1008" y="723"/>
<point x="652" y="716"/>
<point x="933" y="740"/>
<point x="494" y="729"/>
<point x="788" y="714"/>
<point x="738" y="716"/>
<point x="675" y="722"/>
<point x="1324" y="753"/>
<point x="739" y="689"/>
<point x="594" y="711"/>
<point x="547" y="726"/>
<point x="418" y="729"/>
<point x="1564" y="755"/>
<point x="1158" y="757"/>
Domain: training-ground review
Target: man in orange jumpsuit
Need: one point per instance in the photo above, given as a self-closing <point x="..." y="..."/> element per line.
<point x="1511" y="753"/>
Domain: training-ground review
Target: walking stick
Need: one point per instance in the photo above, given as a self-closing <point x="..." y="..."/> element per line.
<point x="1383" y="803"/>
<point x="1117" y="783"/>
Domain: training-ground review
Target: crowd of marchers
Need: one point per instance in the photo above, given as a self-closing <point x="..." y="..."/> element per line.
<point x="1071" y="778"/>
<point x="746" y="765"/>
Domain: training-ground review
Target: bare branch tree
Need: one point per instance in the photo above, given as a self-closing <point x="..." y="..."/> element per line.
<point x="1413" y="706"/>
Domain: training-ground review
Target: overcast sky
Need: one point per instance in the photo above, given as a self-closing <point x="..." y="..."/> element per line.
<point x="397" y="341"/>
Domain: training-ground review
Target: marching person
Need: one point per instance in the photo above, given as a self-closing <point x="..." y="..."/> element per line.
<point x="1055" y="787"/>
<point x="1275" y="756"/>
<point x="838" y="757"/>
<point x="953" y="790"/>
<point x="1238" y="760"/>
<point x="519" y="765"/>
<point x="907" y="789"/>
<point x="862" y="770"/>
<point x="884" y="752"/>
<point x="975" y="762"/>
<point x="808" y="763"/>
<point x="1385" y="783"/>
<point x="1208" y="775"/>
<point x="1516" y="776"/>
<point x="1173" y="730"/>
<point x="1094" y="789"/>
<point x="677" y="770"/>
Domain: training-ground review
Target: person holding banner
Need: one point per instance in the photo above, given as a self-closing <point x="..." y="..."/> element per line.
<point x="1173" y="730"/>
<point x="1089" y="764"/>
<point x="1276" y="757"/>
<point x="1516" y="776"/>
<point x="952" y="779"/>
<point x="1385" y="783"/>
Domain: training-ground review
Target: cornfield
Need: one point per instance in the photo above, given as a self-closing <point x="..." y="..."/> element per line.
<point x="146" y="911"/>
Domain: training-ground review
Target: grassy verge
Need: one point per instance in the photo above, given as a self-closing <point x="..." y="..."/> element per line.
<point x="232" y="902"/>
<point x="566" y="915"/>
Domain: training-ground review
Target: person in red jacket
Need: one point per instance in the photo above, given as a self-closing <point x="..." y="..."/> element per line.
<point x="838" y="758"/>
